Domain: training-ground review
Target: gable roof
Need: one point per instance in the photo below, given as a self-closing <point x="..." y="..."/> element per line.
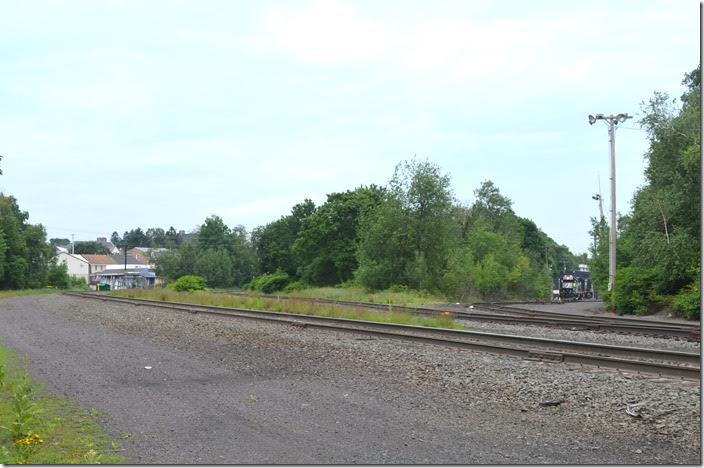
<point x="119" y="259"/>
<point x="99" y="259"/>
<point x="76" y="256"/>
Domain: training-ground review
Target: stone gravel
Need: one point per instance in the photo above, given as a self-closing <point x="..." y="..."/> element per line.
<point x="638" y="341"/>
<point x="243" y="391"/>
<point x="585" y="308"/>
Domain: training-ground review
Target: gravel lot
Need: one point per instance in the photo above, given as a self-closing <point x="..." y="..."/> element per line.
<point x="240" y="391"/>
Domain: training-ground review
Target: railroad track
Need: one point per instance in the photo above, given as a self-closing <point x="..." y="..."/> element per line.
<point x="633" y="325"/>
<point x="503" y="313"/>
<point x="666" y="363"/>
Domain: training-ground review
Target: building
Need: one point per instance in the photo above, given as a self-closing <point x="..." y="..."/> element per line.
<point x="127" y="279"/>
<point x="97" y="264"/>
<point x="101" y="263"/>
<point x="120" y="262"/>
<point x="146" y="254"/>
<point x="76" y="265"/>
<point x="108" y="245"/>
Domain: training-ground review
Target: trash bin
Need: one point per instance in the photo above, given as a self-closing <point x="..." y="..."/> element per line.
<point x="103" y="287"/>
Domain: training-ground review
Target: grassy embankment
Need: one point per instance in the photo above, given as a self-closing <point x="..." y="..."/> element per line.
<point x="36" y="428"/>
<point x="27" y="292"/>
<point x="406" y="298"/>
<point x="253" y="302"/>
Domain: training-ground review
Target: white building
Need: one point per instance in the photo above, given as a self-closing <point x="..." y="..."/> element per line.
<point x="76" y="265"/>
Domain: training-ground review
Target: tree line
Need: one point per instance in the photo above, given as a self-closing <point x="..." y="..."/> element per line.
<point x="412" y="233"/>
<point x="658" y="242"/>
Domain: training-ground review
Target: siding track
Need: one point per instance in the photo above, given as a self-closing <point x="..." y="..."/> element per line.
<point x="666" y="363"/>
<point x="507" y="313"/>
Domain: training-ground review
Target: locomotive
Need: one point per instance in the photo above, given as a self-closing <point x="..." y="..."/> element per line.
<point x="575" y="286"/>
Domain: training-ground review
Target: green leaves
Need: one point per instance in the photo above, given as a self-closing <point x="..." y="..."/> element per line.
<point x="407" y="239"/>
<point x="659" y="243"/>
<point x="24" y="253"/>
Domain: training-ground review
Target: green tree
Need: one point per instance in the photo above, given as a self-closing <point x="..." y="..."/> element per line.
<point x="213" y="234"/>
<point x="274" y="241"/>
<point x="168" y="265"/>
<point x="661" y="236"/>
<point x="25" y="254"/>
<point x="135" y="238"/>
<point x="408" y="237"/>
<point x="90" y="248"/>
<point x="156" y="237"/>
<point x="58" y="275"/>
<point x="172" y="238"/>
<point x="242" y="256"/>
<point x="327" y="242"/>
<point x="60" y="242"/>
<point x="116" y="239"/>
<point x="215" y="266"/>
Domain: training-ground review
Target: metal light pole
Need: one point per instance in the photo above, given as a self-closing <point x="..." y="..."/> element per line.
<point x="612" y="121"/>
<point x="597" y="197"/>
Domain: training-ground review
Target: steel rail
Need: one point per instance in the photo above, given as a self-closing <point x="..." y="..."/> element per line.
<point x="606" y="318"/>
<point x="554" y="319"/>
<point x="632" y="325"/>
<point x="532" y="348"/>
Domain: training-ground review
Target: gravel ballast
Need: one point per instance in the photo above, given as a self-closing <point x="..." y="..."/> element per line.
<point x="240" y="391"/>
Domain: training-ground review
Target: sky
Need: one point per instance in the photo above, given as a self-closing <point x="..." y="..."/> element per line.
<point x="123" y="114"/>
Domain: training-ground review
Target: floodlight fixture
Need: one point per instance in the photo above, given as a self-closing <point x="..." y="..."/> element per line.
<point x="611" y="120"/>
<point x="622" y="117"/>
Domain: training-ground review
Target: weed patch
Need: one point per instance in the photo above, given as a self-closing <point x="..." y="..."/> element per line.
<point x="27" y="292"/>
<point x="292" y="305"/>
<point x="36" y="428"/>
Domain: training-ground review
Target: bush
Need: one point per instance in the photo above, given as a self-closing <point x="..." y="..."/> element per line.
<point x="189" y="283"/>
<point x="688" y="302"/>
<point x="269" y="283"/>
<point x="398" y="288"/>
<point x="78" y="282"/>
<point x="58" y="275"/>
<point x="296" y="286"/>
<point x="635" y="290"/>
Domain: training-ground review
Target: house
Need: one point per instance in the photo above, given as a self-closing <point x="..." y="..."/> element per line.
<point x="122" y="262"/>
<point x="127" y="279"/>
<point x="102" y="263"/>
<point x="97" y="263"/>
<point x="146" y="254"/>
<point x="108" y="245"/>
<point x="76" y="265"/>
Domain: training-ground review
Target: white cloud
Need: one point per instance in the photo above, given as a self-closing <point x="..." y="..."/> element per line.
<point x="563" y="48"/>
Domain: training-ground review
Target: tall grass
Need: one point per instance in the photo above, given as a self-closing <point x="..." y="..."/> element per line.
<point x="352" y="293"/>
<point x="292" y="305"/>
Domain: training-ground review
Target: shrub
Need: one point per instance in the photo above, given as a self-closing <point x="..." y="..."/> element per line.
<point x="635" y="290"/>
<point x="296" y="286"/>
<point x="78" y="282"/>
<point x="269" y="283"/>
<point x="398" y="288"/>
<point x="189" y="283"/>
<point x="688" y="302"/>
<point x="58" y="275"/>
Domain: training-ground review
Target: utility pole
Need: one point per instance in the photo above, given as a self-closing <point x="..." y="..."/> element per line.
<point x="598" y="198"/>
<point x="72" y="244"/>
<point x="612" y="121"/>
<point x="547" y="264"/>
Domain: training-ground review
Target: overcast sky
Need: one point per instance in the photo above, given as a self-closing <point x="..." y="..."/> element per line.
<point x="115" y="115"/>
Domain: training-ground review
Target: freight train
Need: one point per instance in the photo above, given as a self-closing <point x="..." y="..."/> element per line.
<point x="575" y="286"/>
